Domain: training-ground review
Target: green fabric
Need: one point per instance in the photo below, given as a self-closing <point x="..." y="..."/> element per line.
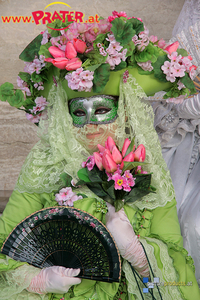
<point x="161" y="223"/>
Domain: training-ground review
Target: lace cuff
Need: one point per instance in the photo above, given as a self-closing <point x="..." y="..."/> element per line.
<point x="15" y="282"/>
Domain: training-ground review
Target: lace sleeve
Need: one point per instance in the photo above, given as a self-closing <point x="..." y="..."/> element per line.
<point x="13" y="283"/>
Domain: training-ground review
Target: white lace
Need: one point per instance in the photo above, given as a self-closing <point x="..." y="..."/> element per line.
<point x="190" y="14"/>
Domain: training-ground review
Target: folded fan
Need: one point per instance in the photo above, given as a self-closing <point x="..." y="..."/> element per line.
<point x="67" y="237"/>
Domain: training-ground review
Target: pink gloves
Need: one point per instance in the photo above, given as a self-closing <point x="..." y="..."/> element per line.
<point x="54" y="280"/>
<point x="126" y="240"/>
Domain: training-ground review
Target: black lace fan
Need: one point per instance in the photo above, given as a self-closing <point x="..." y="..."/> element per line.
<point x="67" y="237"/>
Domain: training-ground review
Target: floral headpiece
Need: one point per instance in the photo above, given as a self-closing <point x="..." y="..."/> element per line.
<point x="85" y="55"/>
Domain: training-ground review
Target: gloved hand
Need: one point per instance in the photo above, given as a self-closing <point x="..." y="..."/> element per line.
<point x="129" y="246"/>
<point x="54" y="279"/>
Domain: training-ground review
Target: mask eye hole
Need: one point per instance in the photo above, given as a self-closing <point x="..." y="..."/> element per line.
<point x="79" y="113"/>
<point x="102" y="110"/>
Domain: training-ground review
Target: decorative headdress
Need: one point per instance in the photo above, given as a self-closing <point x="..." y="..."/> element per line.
<point x="89" y="59"/>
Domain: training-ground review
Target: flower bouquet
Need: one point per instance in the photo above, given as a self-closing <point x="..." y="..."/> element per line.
<point x="116" y="176"/>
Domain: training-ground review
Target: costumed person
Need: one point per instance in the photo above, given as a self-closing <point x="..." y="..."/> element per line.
<point x="84" y="86"/>
<point x="177" y="124"/>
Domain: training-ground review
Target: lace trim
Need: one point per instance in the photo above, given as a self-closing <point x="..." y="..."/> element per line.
<point x="167" y="275"/>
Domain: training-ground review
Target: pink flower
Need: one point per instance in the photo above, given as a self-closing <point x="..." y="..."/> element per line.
<point x="79" y="45"/>
<point x="92" y="225"/>
<point x="60" y="62"/>
<point x="66" y="197"/>
<point x="153" y="38"/>
<point x="32" y="118"/>
<point x="109" y="143"/>
<point x="116" y="155"/>
<point x="146" y="66"/>
<point x="101" y="148"/>
<point x="56" y="52"/>
<point x="192" y="71"/>
<point x="119" y="181"/>
<point x="108" y="163"/>
<point x="80" y="80"/>
<point x="130" y="157"/>
<point x="172" y="48"/>
<point x="89" y="163"/>
<point x="98" y="160"/>
<point x="140" y="153"/>
<point x="178" y="70"/>
<point x="73" y="64"/>
<point x="161" y="43"/>
<point x="70" y="51"/>
<point x="125" y="146"/>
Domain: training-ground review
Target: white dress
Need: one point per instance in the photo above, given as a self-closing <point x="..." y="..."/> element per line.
<point x="178" y="127"/>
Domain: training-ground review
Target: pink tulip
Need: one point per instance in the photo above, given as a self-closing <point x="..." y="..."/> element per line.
<point x="70" y="51"/>
<point x="56" y="52"/>
<point x="130" y="157"/>
<point x="73" y="64"/>
<point x="116" y="155"/>
<point x="98" y="160"/>
<point x="109" y="144"/>
<point x="108" y="163"/>
<point x="49" y="59"/>
<point x="172" y="48"/>
<point x="101" y="148"/>
<point x="125" y="146"/>
<point x="79" y="45"/>
<point x="60" y="62"/>
<point x="140" y="153"/>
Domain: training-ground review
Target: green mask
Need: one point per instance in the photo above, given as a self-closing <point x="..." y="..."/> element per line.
<point x="100" y="109"/>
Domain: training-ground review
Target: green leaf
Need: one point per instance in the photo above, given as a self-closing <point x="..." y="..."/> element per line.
<point x="101" y="77"/>
<point x="36" y="77"/>
<point x="149" y="53"/>
<point x="131" y="60"/>
<point x="25" y="76"/>
<point x="29" y="53"/>
<point x="108" y="186"/>
<point x="44" y="50"/>
<point x="17" y="99"/>
<point x="187" y="81"/>
<point x="138" y="26"/>
<point x="142" y="181"/>
<point x="130" y="47"/>
<point x="122" y="31"/>
<point x="66" y="179"/>
<point x="130" y="147"/>
<point x="100" y="39"/>
<point x="182" y="52"/>
<point x="95" y="175"/>
<point x="97" y="189"/>
<point x="83" y="175"/>
<point x="6" y="91"/>
<point x="95" y="58"/>
<point x="143" y="72"/>
<point x="131" y="165"/>
<point x="135" y="195"/>
<point x="121" y="66"/>
<point x="83" y="195"/>
<point x="118" y="204"/>
<point x="158" y="73"/>
<point x="93" y="68"/>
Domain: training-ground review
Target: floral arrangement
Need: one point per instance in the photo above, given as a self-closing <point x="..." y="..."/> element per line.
<point x="117" y="177"/>
<point x="84" y="54"/>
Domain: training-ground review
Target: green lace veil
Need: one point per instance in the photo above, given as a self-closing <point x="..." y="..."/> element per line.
<point x="61" y="150"/>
